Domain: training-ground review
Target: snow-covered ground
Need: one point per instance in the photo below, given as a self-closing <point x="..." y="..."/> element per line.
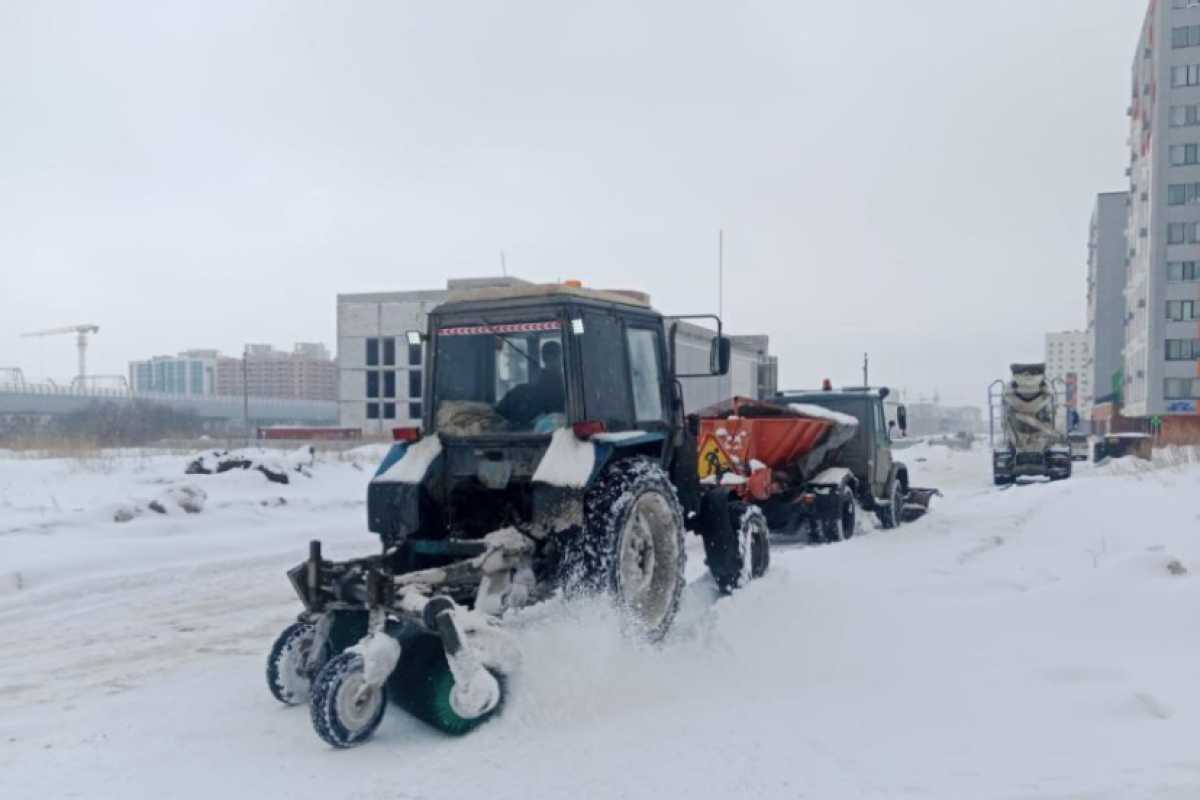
<point x="1029" y="642"/>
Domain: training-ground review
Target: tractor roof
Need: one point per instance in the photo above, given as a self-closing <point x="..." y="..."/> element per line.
<point x="491" y="296"/>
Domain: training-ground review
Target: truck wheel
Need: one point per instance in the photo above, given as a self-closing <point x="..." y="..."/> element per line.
<point x="842" y="527"/>
<point x="633" y="547"/>
<point x="760" y="543"/>
<point x="891" y="513"/>
<point x="752" y="557"/>
<point x="287" y="679"/>
<point x="345" y="711"/>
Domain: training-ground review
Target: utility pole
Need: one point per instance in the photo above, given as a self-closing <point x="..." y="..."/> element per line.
<point x="503" y="265"/>
<point x="866" y="364"/>
<point x="720" y="272"/>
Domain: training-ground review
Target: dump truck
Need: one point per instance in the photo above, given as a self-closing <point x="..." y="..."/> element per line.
<point x="811" y="459"/>
<point x="1030" y="443"/>
<point x="555" y="456"/>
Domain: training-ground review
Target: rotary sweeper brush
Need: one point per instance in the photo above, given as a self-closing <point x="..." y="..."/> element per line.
<point x="556" y="457"/>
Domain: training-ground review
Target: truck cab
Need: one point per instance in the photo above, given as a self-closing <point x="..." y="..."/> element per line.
<point x="882" y="480"/>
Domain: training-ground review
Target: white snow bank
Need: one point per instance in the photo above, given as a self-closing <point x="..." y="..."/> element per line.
<point x="415" y="462"/>
<point x="568" y="462"/>
<point x="820" y="412"/>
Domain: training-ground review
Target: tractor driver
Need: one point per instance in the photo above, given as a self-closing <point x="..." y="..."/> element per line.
<point x="542" y="395"/>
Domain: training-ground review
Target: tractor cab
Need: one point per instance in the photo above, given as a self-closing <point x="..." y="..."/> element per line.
<point x="531" y="392"/>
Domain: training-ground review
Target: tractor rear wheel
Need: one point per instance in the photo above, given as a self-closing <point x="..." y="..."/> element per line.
<point x="633" y="545"/>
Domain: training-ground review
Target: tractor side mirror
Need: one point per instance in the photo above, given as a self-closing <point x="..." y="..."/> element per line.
<point x="720" y="355"/>
<point x="902" y="419"/>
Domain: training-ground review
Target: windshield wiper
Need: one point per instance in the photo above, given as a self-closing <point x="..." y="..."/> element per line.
<point x="509" y="342"/>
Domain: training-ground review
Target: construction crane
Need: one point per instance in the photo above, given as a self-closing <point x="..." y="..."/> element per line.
<point x="81" y="340"/>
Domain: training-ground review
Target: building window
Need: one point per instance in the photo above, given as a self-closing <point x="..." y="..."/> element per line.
<point x="372" y="410"/>
<point x="1183" y="232"/>
<point x="1185" y="36"/>
<point x="1184" y="116"/>
<point x="372" y="384"/>
<point x="414" y="384"/>
<point x="1183" y="349"/>
<point x="1180" y="271"/>
<point x="414" y="410"/>
<point x="1181" y="310"/>
<point x="389" y="352"/>
<point x="1183" y="155"/>
<point x="1182" y="194"/>
<point x="389" y="384"/>
<point x="372" y="352"/>
<point x="389" y="410"/>
<point x="1184" y="3"/>
<point x="1188" y="75"/>
<point x="1181" y="388"/>
<point x="414" y="355"/>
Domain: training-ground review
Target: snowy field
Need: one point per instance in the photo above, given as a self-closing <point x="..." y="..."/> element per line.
<point x="1032" y="642"/>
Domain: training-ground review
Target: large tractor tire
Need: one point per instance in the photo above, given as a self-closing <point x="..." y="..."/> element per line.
<point x="633" y="545"/>
<point x="290" y="683"/>
<point x="344" y="711"/>
<point x="842" y="527"/>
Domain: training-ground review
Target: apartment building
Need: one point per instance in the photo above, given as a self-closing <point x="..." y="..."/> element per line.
<point x="192" y="372"/>
<point x="1161" y="369"/>
<point x="307" y="372"/>
<point x="1068" y="367"/>
<point x="1105" y="299"/>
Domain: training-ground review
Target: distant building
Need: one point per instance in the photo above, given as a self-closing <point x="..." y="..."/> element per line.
<point x="381" y="378"/>
<point x="1105" y="298"/>
<point x="192" y="372"/>
<point x="307" y="372"/>
<point x="1068" y="368"/>
<point x="933" y="418"/>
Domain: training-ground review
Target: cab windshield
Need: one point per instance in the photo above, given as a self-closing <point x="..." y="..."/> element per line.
<point x="499" y="378"/>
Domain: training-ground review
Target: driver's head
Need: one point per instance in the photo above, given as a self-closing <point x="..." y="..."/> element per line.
<point x="552" y="356"/>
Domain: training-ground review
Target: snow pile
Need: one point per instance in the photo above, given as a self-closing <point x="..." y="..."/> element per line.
<point x="568" y="462"/>
<point x="184" y="497"/>
<point x="820" y="412"/>
<point x="415" y="462"/>
<point x="275" y="466"/>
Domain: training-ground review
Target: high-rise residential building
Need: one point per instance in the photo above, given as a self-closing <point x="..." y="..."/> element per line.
<point x="1105" y="298"/>
<point x="1162" y="294"/>
<point x="1068" y="369"/>
<point x="306" y="373"/>
<point x="192" y="372"/>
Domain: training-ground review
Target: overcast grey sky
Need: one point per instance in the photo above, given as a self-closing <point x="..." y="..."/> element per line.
<point x="912" y="179"/>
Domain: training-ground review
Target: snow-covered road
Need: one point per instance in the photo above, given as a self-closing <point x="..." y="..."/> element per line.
<point x="1020" y="643"/>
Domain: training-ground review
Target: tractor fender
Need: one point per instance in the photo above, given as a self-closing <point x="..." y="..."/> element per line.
<point x="623" y="444"/>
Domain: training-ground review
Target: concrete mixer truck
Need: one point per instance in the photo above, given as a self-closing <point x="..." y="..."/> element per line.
<point x="1030" y="443"/>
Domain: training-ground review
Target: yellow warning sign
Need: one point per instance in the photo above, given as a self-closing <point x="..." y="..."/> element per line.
<point x="713" y="460"/>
